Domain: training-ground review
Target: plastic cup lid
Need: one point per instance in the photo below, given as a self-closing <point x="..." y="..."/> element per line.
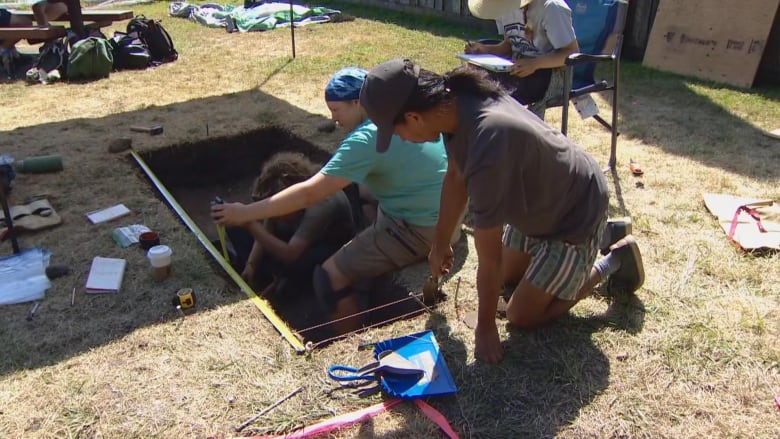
<point x="159" y="251"/>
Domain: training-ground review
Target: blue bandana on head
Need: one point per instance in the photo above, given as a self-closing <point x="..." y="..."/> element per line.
<point x="345" y="84"/>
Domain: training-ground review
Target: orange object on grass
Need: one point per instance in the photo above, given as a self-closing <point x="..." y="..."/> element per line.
<point x="635" y="167"/>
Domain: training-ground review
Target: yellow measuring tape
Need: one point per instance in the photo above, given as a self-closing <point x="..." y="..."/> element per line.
<point x="259" y="302"/>
<point x="221" y="235"/>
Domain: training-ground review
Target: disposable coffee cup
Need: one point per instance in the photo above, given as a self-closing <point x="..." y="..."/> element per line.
<point x="160" y="260"/>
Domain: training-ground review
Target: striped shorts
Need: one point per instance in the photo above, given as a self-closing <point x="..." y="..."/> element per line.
<point x="557" y="267"/>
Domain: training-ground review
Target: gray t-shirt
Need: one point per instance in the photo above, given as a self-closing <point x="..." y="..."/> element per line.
<point x="519" y="170"/>
<point x="549" y="27"/>
<point x="329" y="221"/>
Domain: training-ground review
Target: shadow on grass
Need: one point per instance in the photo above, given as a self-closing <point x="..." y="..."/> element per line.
<point x="545" y="379"/>
<point x="419" y="19"/>
<point x="93" y="179"/>
<point x="669" y="111"/>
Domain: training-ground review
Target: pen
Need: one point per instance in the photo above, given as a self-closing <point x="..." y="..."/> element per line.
<point x="32" y="311"/>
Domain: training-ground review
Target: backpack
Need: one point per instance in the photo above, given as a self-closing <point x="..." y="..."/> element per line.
<point x="129" y="51"/>
<point x="156" y="38"/>
<point x="90" y="58"/>
<point x="53" y="55"/>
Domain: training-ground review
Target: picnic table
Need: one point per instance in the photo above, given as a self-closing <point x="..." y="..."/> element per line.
<point x="75" y="16"/>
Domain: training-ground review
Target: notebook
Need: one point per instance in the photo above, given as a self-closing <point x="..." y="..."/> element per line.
<point x="105" y="275"/>
<point x="487" y="61"/>
<point x="108" y="214"/>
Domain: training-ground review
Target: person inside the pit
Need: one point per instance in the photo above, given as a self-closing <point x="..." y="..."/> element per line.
<point x="406" y="182"/>
<point x="285" y="249"/>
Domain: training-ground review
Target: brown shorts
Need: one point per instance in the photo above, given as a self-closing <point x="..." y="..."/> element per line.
<point x="386" y="245"/>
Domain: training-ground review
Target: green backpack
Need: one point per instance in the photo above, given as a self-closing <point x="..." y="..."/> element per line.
<point x="90" y="58"/>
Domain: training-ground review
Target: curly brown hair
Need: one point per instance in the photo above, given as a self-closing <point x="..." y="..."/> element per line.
<point x="281" y="171"/>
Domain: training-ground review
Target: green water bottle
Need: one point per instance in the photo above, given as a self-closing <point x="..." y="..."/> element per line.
<point x="43" y="163"/>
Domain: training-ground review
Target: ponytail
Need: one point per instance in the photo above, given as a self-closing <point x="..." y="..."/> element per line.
<point x="434" y="89"/>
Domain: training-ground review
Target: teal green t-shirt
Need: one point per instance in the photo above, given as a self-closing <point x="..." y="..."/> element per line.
<point x="406" y="179"/>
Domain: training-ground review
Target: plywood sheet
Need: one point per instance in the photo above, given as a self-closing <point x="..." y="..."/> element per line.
<point x="721" y="41"/>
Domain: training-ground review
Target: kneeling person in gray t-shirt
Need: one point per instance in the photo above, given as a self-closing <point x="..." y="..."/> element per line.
<point x="515" y="170"/>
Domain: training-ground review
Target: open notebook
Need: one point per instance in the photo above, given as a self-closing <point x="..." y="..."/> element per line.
<point x="105" y="275"/>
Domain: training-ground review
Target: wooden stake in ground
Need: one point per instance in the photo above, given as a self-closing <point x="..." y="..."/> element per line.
<point x="268" y="409"/>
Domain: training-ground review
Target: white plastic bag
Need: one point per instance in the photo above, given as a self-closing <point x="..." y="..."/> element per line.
<point x="23" y="276"/>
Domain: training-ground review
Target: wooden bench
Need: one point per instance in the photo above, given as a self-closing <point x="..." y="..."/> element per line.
<point x="34" y="33"/>
<point x="97" y="15"/>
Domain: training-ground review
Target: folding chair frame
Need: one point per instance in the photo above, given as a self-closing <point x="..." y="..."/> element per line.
<point x="614" y="87"/>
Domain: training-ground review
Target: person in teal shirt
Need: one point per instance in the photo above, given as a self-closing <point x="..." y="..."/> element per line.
<point x="406" y="182"/>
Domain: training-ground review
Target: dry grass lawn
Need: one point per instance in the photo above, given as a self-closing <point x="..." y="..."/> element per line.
<point x="695" y="354"/>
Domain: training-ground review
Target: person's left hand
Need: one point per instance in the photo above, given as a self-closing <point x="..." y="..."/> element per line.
<point x="230" y="214"/>
<point x="524" y="67"/>
<point x="487" y="343"/>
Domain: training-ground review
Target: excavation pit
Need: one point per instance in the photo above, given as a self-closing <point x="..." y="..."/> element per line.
<point x="194" y="173"/>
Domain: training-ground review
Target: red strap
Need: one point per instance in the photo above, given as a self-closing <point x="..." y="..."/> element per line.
<point x="753" y="214"/>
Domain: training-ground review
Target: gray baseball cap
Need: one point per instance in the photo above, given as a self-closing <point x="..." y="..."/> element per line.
<point x="384" y="93"/>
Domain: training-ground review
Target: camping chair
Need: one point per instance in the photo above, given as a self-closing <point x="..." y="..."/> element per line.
<point x="599" y="26"/>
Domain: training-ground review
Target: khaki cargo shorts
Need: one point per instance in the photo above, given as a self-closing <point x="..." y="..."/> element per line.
<point x="384" y="246"/>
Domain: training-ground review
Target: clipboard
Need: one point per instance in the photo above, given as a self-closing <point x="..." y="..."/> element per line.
<point x="487" y="61"/>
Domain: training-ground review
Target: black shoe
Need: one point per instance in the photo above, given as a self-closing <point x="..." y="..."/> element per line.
<point x="631" y="274"/>
<point x="617" y="228"/>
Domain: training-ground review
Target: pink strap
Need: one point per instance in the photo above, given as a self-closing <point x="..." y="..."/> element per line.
<point x="436" y="416"/>
<point x="753" y="214"/>
<point x="361" y="415"/>
<point x="777" y="401"/>
<point x="337" y="422"/>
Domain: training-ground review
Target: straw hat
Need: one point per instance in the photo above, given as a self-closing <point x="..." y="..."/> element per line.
<point x="492" y="9"/>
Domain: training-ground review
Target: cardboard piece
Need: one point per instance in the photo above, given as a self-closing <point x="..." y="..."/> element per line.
<point x="36" y="215"/>
<point x="721" y="41"/>
<point x="746" y="231"/>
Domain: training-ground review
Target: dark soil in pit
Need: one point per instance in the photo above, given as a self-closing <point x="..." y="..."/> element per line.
<point x="195" y="173"/>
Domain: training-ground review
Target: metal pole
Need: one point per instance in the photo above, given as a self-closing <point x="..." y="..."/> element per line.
<point x="292" y="29"/>
<point x="9" y="220"/>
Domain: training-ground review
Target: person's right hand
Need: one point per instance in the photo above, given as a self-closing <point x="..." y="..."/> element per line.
<point x="474" y="47"/>
<point x="487" y="343"/>
<point x="230" y="214"/>
<point x="440" y="259"/>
